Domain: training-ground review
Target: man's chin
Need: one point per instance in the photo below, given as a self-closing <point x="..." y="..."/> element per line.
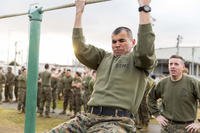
<point x="117" y="54"/>
<point x="174" y="75"/>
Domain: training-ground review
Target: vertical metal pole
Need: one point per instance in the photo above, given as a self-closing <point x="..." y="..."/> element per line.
<point x="15" y="60"/>
<point x="197" y="71"/>
<point x="35" y="15"/>
<point x="179" y="39"/>
<point x="193" y="61"/>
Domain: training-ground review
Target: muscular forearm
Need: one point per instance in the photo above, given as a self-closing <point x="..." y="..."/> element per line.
<point x="144" y="18"/>
<point x="80" y="4"/>
<point x="78" y="21"/>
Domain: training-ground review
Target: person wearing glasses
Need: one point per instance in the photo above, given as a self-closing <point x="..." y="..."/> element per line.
<point x="121" y="76"/>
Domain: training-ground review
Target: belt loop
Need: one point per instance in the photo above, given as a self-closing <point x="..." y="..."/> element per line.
<point x="91" y="111"/>
<point x="116" y="112"/>
<point x="101" y="109"/>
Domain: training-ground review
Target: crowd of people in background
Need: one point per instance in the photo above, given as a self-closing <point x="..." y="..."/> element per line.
<point x="72" y="87"/>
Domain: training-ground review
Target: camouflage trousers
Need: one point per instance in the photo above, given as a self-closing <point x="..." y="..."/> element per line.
<point x="90" y="123"/>
<point x="54" y="98"/>
<point x="85" y="99"/>
<point x="76" y="101"/>
<point x="46" y="96"/>
<point x="39" y="95"/>
<point x="59" y="92"/>
<point x="16" y="90"/>
<point x="174" y="128"/>
<point x="142" y="118"/>
<point x="8" y="92"/>
<point x="67" y="99"/>
<point x="22" y="99"/>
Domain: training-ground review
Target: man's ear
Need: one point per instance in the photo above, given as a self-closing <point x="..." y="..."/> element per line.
<point x="133" y="42"/>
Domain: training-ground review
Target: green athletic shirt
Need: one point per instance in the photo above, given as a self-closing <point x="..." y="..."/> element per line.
<point x="67" y="82"/>
<point x="120" y="81"/>
<point x="46" y="78"/>
<point x="22" y="80"/>
<point x="179" y="98"/>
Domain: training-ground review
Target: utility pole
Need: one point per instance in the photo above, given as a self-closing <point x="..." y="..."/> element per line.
<point x="15" y="59"/>
<point x="21" y="55"/>
<point x="179" y="40"/>
<point x="193" y="50"/>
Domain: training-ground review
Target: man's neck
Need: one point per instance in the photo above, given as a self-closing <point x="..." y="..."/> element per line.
<point x="176" y="78"/>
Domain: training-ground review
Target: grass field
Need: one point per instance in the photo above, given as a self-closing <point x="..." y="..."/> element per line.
<point x="13" y="122"/>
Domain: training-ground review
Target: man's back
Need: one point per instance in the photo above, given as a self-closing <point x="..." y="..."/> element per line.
<point x="46" y="78"/>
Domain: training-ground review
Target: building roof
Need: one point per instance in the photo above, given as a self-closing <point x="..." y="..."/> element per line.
<point x="190" y="54"/>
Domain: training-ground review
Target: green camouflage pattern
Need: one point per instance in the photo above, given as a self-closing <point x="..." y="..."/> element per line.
<point x="90" y="123"/>
<point x="2" y="81"/>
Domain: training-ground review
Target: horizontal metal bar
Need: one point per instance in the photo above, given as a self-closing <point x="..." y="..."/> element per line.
<point x="53" y="8"/>
<point x="13" y="15"/>
<point x="73" y="4"/>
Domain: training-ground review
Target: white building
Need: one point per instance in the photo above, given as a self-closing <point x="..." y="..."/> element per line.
<point x="190" y="54"/>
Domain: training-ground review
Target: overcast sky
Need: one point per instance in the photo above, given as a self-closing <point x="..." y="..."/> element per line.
<point x="173" y="17"/>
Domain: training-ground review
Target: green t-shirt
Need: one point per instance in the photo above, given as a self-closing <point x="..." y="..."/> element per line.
<point x="179" y="98"/>
<point x="22" y="80"/>
<point x="46" y="78"/>
<point x="120" y="81"/>
<point x="67" y="81"/>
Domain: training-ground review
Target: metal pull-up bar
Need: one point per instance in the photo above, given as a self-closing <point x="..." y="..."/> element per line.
<point x="52" y="8"/>
<point x="35" y="16"/>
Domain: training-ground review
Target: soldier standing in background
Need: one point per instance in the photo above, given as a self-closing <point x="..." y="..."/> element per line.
<point x="2" y="82"/>
<point x="46" y="93"/>
<point x="67" y="90"/>
<point x="91" y="83"/>
<point x="17" y="86"/>
<point x="60" y="84"/>
<point x="85" y="88"/>
<point x="54" y="88"/>
<point x="143" y="116"/>
<point x="10" y="78"/>
<point x="39" y="91"/>
<point x="22" y="78"/>
<point x="179" y="93"/>
<point x="76" y="85"/>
